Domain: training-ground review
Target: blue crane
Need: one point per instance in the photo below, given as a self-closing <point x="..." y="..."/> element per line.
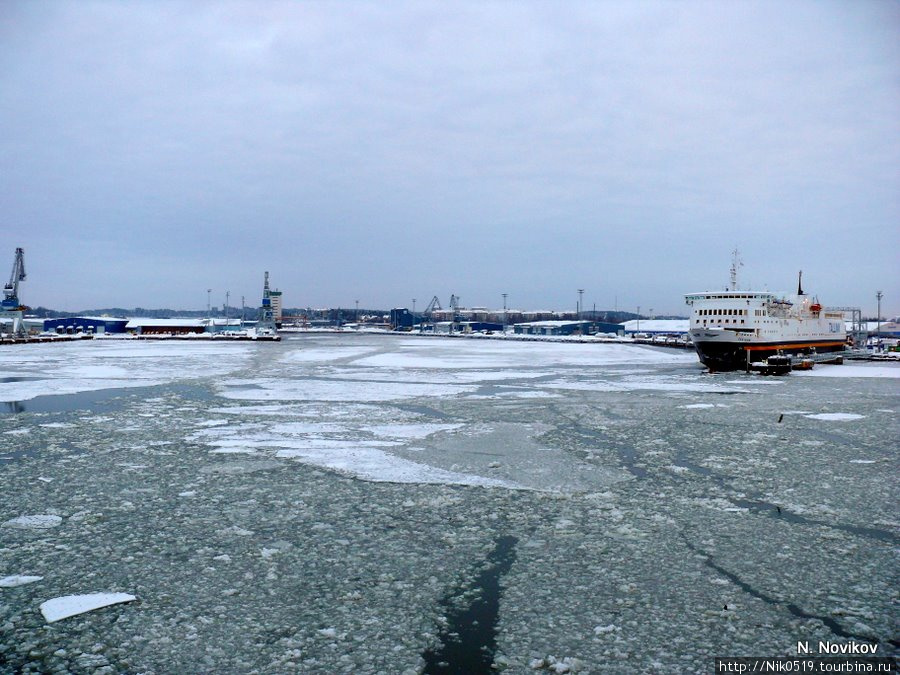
<point x="11" y="290"/>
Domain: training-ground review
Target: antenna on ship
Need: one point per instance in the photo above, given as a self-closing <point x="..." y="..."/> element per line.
<point x="800" y="284"/>
<point x="735" y="263"/>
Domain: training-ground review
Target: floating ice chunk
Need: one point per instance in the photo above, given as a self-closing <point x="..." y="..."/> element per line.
<point x="835" y="417"/>
<point x="72" y="605"/>
<point x="327" y="632"/>
<point x="236" y="531"/>
<point x="566" y="664"/>
<point x="853" y="370"/>
<point x="601" y="630"/>
<point x="225" y="449"/>
<point x="37" y="522"/>
<point x="411" y="431"/>
<point x="17" y="580"/>
<point x="275" y="549"/>
<point x="336" y="390"/>
<point x="862" y="461"/>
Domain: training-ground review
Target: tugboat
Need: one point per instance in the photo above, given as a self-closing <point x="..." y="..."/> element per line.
<point x="733" y="329"/>
<point x="778" y="364"/>
<point x="803" y="364"/>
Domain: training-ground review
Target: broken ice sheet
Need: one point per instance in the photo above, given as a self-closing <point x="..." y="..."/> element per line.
<point x="36" y="522"/>
<point x="63" y="607"/>
<point x="835" y="417"/>
<point x="15" y="580"/>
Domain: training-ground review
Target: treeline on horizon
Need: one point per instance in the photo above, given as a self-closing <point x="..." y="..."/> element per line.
<point x="346" y="314"/>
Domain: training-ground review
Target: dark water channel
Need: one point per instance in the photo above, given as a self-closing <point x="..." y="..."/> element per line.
<point x="469" y="640"/>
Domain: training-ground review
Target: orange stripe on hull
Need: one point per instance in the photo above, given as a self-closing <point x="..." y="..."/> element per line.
<point x="793" y="345"/>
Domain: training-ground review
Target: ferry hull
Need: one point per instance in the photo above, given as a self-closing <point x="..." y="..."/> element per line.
<point x="723" y="355"/>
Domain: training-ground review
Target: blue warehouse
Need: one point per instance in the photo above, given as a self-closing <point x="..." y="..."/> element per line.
<point x="85" y="324"/>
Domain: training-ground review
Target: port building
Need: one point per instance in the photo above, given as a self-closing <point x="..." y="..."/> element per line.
<point x="277" y="310"/>
<point x="566" y="328"/>
<point x="71" y="325"/>
<point x="656" y="326"/>
<point x="166" y="326"/>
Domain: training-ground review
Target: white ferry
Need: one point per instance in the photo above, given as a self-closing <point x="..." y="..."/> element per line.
<point x="732" y="329"/>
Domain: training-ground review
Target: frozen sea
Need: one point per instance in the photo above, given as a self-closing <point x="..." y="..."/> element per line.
<point x="395" y="504"/>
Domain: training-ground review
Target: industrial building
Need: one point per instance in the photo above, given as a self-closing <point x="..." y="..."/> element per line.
<point x="566" y="328"/>
<point x="672" y="327"/>
<point x="71" y="325"/>
<point x="465" y="327"/>
<point x="166" y="326"/>
<point x="401" y="319"/>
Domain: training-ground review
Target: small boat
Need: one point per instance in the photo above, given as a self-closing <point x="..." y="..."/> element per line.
<point x="777" y="364"/>
<point x="804" y="364"/>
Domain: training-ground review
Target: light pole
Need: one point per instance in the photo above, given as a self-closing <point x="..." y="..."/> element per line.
<point x="504" y="312"/>
<point x="580" y="296"/>
<point x="414" y="312"/>
<point x="356" y="319"/>
<point x="638" y="320"/>
<point x="209" y="306"/>
<point x="227" y="297"/>
<point x="878" y="296"/>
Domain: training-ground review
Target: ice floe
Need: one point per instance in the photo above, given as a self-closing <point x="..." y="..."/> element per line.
<point x="93" y="365"/>
<point x="835" y="417"/>
<point x="66" y="606"/>
<point x="334" y="390"/>
<point x="372" y="464"/>
<point x="853" y="370"/>
<point x="461" y="354"/>
<point x="15" y="580"/>
<point x="35" y="522"/>
<point x="410" y="430"/>
<point x="647" y="383"/>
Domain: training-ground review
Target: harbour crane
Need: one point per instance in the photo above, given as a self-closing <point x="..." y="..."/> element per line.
<point x="454" y="309"/>
<point x="10" y="307"/>
<point x="428" y="314"/>
<point x="435" y="304"/>
<point x="454" y="306"/>
<point x="11" y="290"/>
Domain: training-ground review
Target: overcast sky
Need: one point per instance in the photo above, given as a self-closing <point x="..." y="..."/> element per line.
<point x="384" y="151"/>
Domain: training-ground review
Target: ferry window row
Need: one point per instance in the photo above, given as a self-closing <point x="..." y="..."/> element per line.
<point x="720" y="322"/>
<point x="722" y="312"/>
